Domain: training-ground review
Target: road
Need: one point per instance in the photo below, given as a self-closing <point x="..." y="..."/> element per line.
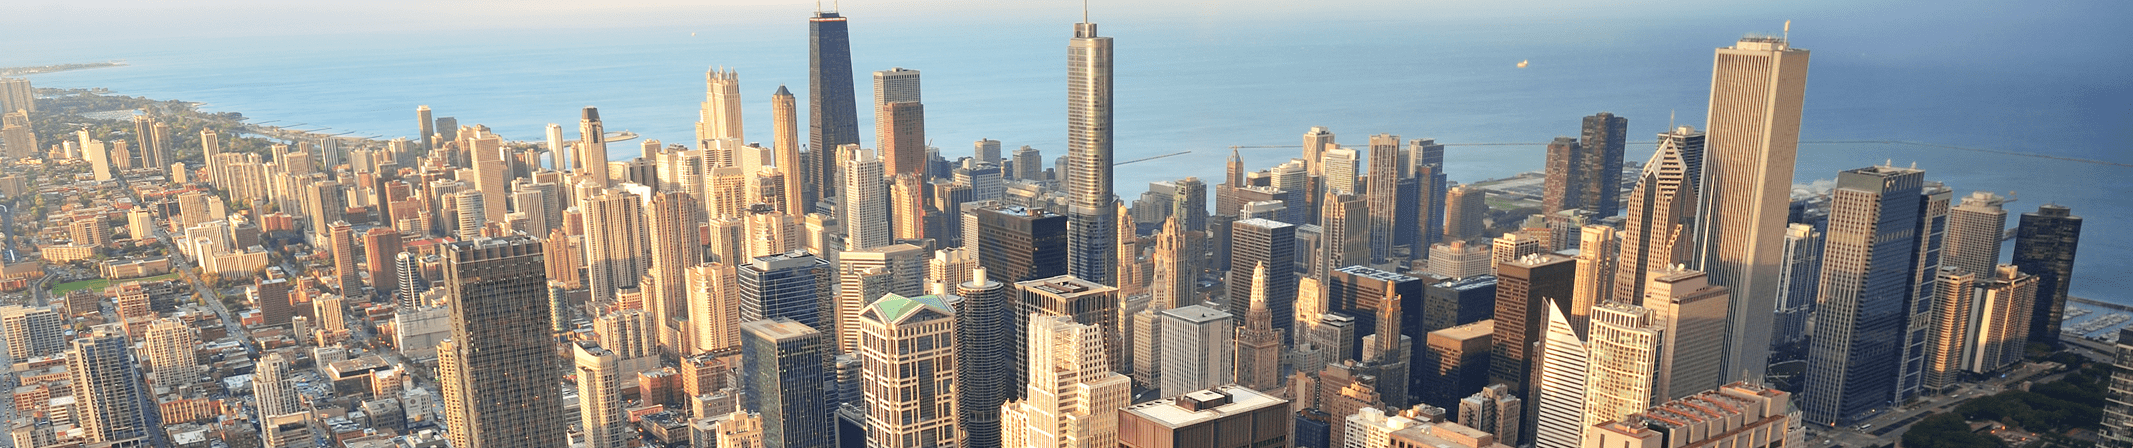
<point x="185" y="266"/>
<point x="1890" y="426"/>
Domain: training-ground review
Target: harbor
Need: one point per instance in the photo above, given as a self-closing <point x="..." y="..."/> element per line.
<point x="2095" y="320"/>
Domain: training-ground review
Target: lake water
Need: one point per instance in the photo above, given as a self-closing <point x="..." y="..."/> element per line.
<point x="2036" y="80"/>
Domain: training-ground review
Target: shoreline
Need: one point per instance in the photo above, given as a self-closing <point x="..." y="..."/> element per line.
<point x="42" y="69"/>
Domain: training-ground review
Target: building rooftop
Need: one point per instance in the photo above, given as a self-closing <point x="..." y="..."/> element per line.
<point x="1486" y="327"/>
<point x="1198" y="313"/>
<point x="1376" y="274"/>
<point x="1189" y="409"/>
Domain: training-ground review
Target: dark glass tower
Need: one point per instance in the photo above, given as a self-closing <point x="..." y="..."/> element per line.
<point x="781" y="377"/>
<point x="1602" y="141"/>
<point x="793" y="285"/>
<point x="499" y="370"/>
<point x="1018" y="244"/>
<point x="832" y="115"/>
<point x="1867" y="265"/>
<point x="1254" y="241"/>
<point x="2044" y="247"/>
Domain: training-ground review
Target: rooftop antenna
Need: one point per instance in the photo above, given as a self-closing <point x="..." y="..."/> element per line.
<point x="1670" y="120"/>
<point x="1084" y="11"/>
<point x="1788" y="31"/>
<point x="818" y="6"/>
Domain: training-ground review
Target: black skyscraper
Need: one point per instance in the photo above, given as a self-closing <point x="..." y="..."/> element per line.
<point x="2044" y="247"/>
<point x="832" y="117"/>
<point x="1603" y="142"/>
<point x="1019" y="244"/>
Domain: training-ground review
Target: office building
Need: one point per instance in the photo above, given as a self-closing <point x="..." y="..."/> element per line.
<point x="909" y="372"/>
<point x="1384" y="194"/>
<point x="600" y="411"/>
<point x="900" y="122"/>
<point x="591" y="152"/>
<point x="714" y="308"/>
<point x="800" y="180"/>
<point x="1235" y="415"/>
<point x="781" y="378"/>
<point x="1087" y="302"/>
<point x="1596" y="259"/>
<point x="866" y="200"/>
<point x="1932" y="219"/>
<point x="110" y="400"/>
<point x="1655" y="232"/>
<point x="1511" y="246"/>
<point x="274" y="387"/>
<point x="1091" y="244"/>
<point x="1176" y="261"/>
<point x="720" y="118"/>
<point x="1018" y="244"/>
<point x="1866" y="286"/>
<point x="833" y="115"/>
<point x="1344" y="219"/>
<point x="617" y="248"/>
<point x="2044" y="247"/>
<point x="1738" y="414"/>
<point x="897" y="268"/>
<point x="1564" y="181"/>
<point x="1624" y="362"/>
<point x="1601" y="143"/>
<point x="1072" y="398"/>
<point x="1255" y="241"/>
<point x="1690" y="312"/>
<point x="1454" y="361"/>
<point x="1458" y="260"/>
<point x="1757" y="86"/>
<point x="1802" y="278"/>
<point x="1196" y="349"/>
<point x="381" y="246"/>
<point x="1523" y="287"/>
<point x="1951" y="347"/>
<point x="1464" y="209"/>
<point x="1258" y="343"/>
<point x="1560" y="420"/>
<point x="169" y="347"/>
<point x="1975" y="230"/>
<point x="1427" y="162"/>
<point x="498" y="371"/>
<point x="2117" y="424"/>
<point x="793" y="285"/>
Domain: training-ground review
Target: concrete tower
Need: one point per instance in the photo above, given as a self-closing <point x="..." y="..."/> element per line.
<point x="1757" y="87"/>
<point x="720" y="118"/>
<point x="1073" y="397"/>
<point x="910" y="400"/>
<point x="499" y="370"/>
<point x="1258" y="343"/>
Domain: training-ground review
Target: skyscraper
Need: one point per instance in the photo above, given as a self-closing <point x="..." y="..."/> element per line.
<point x="499" y="370"/>
<point x="1802" y="276"/>
<point x="1563" y="187"/>
<point x="169" y="347"/>
<point x="1087" y="302"/>
<point x="1597" y="255"/>
<point x="1196" y="349"/>
<point x="720" y="118"/>
<point x="981" y="355"/>
<point x="865" y="201"/>
<point x="380" y="246"/>
<point x="1233" y="413"/>
<point x="1975" y="231"/>
<point x="1560" y="422"/>
<point x="31" y="332"/>
<point x="800" y="183"/>
<point x="1600" y="147"/>
<point x="1091" y="241"/>
<point x="1428" y="166"/>
<point x="2044" y="247"/>
<point x="1951" y="346"/>
<point x="832" y="116"/>
<point x="1464" y="209"/>
<point x="1073" y="397"/>
<point x="1256" y="241"/>
<point x="600" y="402"/>
<point x="672" y="237"/>
<point x="110" y="400"/>
<point x="1691" y="314"/>
<point x="714" y="308"/>
<point x="793" y="285"/>
<point x="1345" y="220"/>
<point x="617" y="249"/>
<point x="1757" y="86"/>
<point x="1384" y="194"/>
<point x="900" y="121"/>
<point x="909" y="372"/>
<point x="781" y="378"/>
<point x="1258" y="344"/>
<point x="273" y="387"/>
<point x="1018" y="244"/>
<point x="1624" y="362"/>
<point x="2004" y="301"/>
<point x="1866" y="285"/>
<point x="1656" y="232"/>
<point x="425" y="125"/>
<point x="1454" y="361"/>
<point x="592" y="147"/>
<point x="1176" y="267"/>
<point x="1522" y="289"/>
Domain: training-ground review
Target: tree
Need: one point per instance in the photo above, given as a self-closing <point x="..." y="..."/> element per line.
<point x="1946" y="430"/>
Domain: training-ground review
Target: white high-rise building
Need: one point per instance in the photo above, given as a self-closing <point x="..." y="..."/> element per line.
<point x="1196" y="348"/>
<point x="909" y="372"/>
<point x="1624" y="364"/>
<point x="1561" y="420"/>
<point x="600" y="411"/>
<point x="172" y="356"/>
<point x="273" y="388"/>
<point x="1073" y="397"/>
<point x="1757" y="87"/>
<point x="721" y="115"/>
<point x="866" y="200"/>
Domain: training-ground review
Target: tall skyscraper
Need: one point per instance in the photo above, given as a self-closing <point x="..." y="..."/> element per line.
<point x="1691" y="314"/>
<point x="981" y="356"/>
<point x="1464" y="209"/>
<point x="1258" y="343"/>
<point x="900" y="121"/>
<point x="499" y="370"/>
<point x="865" y="276"/>
<point x="1565" y="180"/>
<point x="2004" y="300"/>
<point x="1176" y="267"/>
<point x="714" y="308"/>
<point x="1073" y="397"/>
<point x="1091" y="241"/>
<point x="110" y="400"/>
<point x="1624" y="362"/>
<point x="600" y="411"/>
<point x="1601" y="144"/>
<point x="1802" y="275"/>
<point x="1256" y="241"/>
<point x="1454" y="361"/>
<point x="2044" y="247"/>
<point x="1522" y="289"/>
<point x="380" y="246"/>
<point x="793" y="285"/>
<point x="274" y="387"/>
<point x="1384" y="194"/>
<point x="781" y="378"/>
<point x="1597" y="255"/>
<point x="592" y="147"/>
<point x="1087" y="302"/>
<point x="1975" y="230"/>
<point x="1560" y="422"/>
<point x="1344" y="219"/>
<point x="426" y="125"/>
<point x="1428" y="166"/>
<point x="865" y="201"/>
<point x="1866" y="285"/>
<point x="1656" y="232"/>
<point x="1951" y="346"/>
<point x="832" y="116"/>
<point x="1757" y="86"/>
<point x="1196" y="349"/>
<point x="909" y="372"/>
<point x="671" y="235"/>
<point x="720" y="118"/>
<point x="1018" y="244"/>
<point x="1933" y="201"/>
<point x="617" y="249"/>
<point x="800" y="180"/>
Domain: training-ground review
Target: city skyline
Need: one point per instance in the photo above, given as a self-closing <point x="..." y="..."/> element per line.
<point x="714" y="291"/>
